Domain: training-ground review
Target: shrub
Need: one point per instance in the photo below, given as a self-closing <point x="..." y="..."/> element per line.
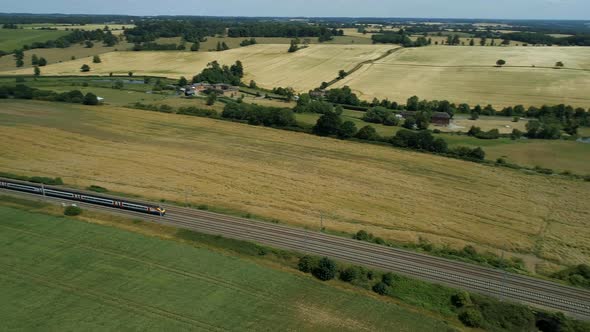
<point x="388" y="279"/>
<point x="362" y="235"/>
<point x="471" y="318"/>
<point x="325" y="269"/>
<point x="307" y="264"/>
<point x="367" y="133"/>
<point x="72" y="211"/>
<point x="462" y="299"/>
<point x="203" y="207"/>
<point x="97" y="189"/>
<point x="350" y="274"/>
<point x="380" y="288"/>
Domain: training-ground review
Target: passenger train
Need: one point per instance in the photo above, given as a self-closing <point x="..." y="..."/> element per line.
<point x="82" y="197"/>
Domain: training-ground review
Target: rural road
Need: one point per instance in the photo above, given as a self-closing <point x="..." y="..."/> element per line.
<point x="506" y="286"/>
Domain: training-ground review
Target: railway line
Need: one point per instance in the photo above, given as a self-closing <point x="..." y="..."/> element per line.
<point x="507" y="286"/>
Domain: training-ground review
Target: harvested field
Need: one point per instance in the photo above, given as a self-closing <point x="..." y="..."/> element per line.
<point x="269" y="65"/>
<point x="294" y="177"/>
<point x="467" y="74"/>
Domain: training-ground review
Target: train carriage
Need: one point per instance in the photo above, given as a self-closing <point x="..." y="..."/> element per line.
<point x="82" y="197"/>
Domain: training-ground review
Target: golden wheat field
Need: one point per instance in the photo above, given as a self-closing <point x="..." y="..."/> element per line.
<point x="467" y="74"/>
<point x="295" y="177"/>
<point x="270" y="65"/>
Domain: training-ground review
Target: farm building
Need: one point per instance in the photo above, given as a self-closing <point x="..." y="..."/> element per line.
<point x="440" y="119"/>
<point x="220" y="88"/>
<point x="437" y="118"/>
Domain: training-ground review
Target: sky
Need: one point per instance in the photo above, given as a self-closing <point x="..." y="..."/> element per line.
<point x="508" y="9"/>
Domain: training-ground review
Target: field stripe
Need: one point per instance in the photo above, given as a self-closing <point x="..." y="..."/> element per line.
<point x="130" y="305"/>
<point x="191" y="274"/>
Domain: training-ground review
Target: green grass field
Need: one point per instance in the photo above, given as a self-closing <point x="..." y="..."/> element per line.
<point x="62" y="274"/>
<point x="11" y="39"/>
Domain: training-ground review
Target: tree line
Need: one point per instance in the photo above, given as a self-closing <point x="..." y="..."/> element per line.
<point x="216" y="73"/>
<point x="21" y="91"/>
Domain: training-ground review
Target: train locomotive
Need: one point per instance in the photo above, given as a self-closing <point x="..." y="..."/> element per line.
<point x="82" y="197"/>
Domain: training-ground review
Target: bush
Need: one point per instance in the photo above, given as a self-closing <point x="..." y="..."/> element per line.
<point x="380" y="288"/>
<point x="388" y="279"/>
<point x="90" y="99"/>
<point x="367" y="133"/>
<point x="462" y="299"/>
<point x="325" y="269"/>
<point x="471" y="318"/>
<point x="307" y="264"/>
<point x="350" y="274"/>
<point x="72" y="211"/>
<point x="97" y="189"/>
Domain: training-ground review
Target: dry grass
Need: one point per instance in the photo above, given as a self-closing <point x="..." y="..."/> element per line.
<point x="269" y="65"/>
<point x="294" y="177"/>
<point x="466" y="74"/>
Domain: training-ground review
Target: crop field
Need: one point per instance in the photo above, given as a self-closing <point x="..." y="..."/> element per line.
<point x="467" y="74"/>
<point x="269" y="65"/>
<point x="59" y="273"/>
<point x="11" y="39"/>
<point x="293" y="177"/>
<point x="57" y="55"/>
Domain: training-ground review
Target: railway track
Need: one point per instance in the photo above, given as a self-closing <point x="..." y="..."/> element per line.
<point x="512" y="287"/>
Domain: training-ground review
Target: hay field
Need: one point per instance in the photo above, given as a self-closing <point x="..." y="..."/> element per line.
<point x="466" y="74"/>
<point x="269" y="65"/>
<point x="294" y="177"/>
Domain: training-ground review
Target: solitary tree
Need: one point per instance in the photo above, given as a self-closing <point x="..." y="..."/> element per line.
<point x="42" y="62"/>
<point x="34" y="60"/>
<point x="559" y="64"/>
<point x="96" y="59"/>
<point x="342" y="74"/>
<point x="472" y="42"/>
<point x="89" y="44"/>
<point x="37" y="71"/>
<point x="211" y="99"/>
<point x="85" y="68"/>
<point x="500" y="63"/>
<point x="195" y="46"/>
<point x="130" y="74"/>
<point x="90" y="99"/>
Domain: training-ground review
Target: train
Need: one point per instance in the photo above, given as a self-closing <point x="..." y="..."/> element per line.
<point x="82" y="197"/>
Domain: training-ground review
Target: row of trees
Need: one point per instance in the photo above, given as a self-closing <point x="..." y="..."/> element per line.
<point x="259" y="115"/>
<point x="21" y="91"/>
<point x="216" y="73"/>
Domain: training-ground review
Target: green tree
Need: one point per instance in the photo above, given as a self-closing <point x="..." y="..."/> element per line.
<point x="182" y="81"/>
<point x="461" y="299"/>
<point x="388" y="279"/>
<point x="90" y="99"/>
<point x="96" y="59"/>
<point x="85" y="68"/>
<point x="293" y="47"/>
<point x="237" y="69"/>
<point x="34" y="60"/>
<point x="20" y="63"/>
<point x="367" y="133"/>
<point x="350" y="274"/>
<point x="224" y="46"/>
<point x="328" y="124"/>
<point x="211" y="99"/>
<point x="409" y="123"/>
<point x="559" y="64"/>
<point x="483" y="41"/>
<point x="252" y="85"/>
<point x="89" y="44"/>
<point x="472" y="42"/>
<point x="37" y="71"/>
<point x="325" y="269"/>
<point x="130" y="74"/>
<point x="500" y="63"/>
<point x="42" y="62"/>
<point x="195" y="46"/>
<point x="347" y="130"/>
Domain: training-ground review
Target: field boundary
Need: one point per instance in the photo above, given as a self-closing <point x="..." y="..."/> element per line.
<point x="366" y="62"/>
